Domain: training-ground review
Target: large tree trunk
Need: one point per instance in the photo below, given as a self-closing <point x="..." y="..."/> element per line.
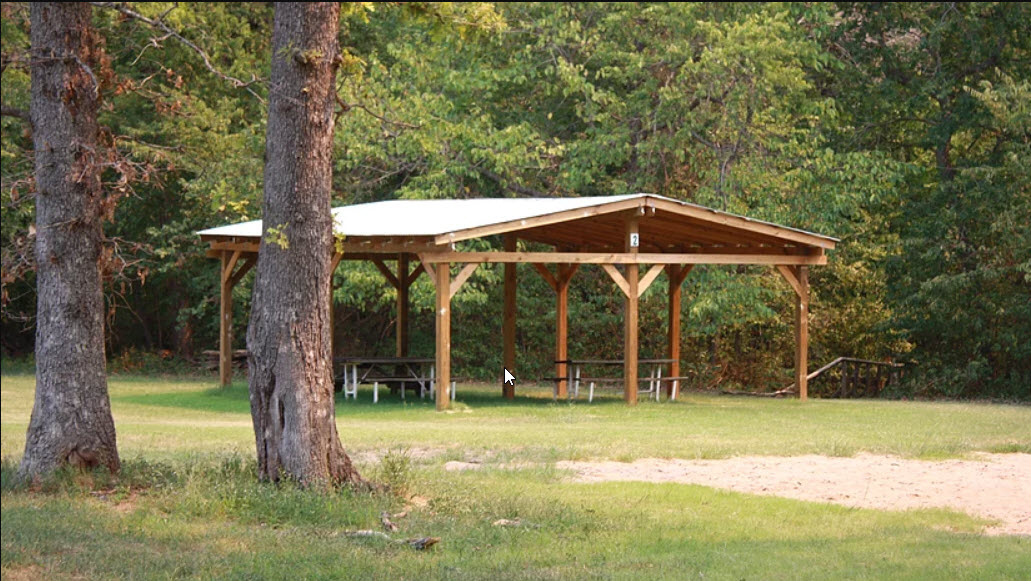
<point x="291" y="382"/>
<point x="71" y="418"/>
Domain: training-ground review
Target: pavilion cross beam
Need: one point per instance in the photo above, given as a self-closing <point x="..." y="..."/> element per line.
<point x="428" y="267"/>
<point x="546" y="275"/>
<point x="227" y="267"/>
<point x="602" y="258"/>
<point x="648" y="278"/>
<point x="642" y="285"/>
<point x="248" y="263"/>
<point x="388" y="274"/>
<point x="462" y="276"/>
<point x="418" y="270"/>
<point x="557" y="281"/>
<point x="791" y="277"/>
<point x="679" y="273"/>
<point x="617" y="277"/>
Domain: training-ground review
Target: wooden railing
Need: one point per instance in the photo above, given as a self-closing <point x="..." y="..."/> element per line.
<point x="848" y="377"/>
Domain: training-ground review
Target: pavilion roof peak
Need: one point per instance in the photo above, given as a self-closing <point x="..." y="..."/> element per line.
<point x="449" y="220"/>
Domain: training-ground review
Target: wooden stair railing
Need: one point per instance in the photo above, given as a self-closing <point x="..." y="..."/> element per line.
<point x="859" y="377"/>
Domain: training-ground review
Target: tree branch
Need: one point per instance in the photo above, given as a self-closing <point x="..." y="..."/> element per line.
<point x="160" y="24"/>
<point x="22" y="114"/>
<point x="514" y="188"/>
<point x="345" y="106"/>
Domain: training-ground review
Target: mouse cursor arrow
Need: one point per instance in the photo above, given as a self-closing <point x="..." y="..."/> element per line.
<point x="509" y="378"/>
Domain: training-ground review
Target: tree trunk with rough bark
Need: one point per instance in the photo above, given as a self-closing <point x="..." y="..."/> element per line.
<point x="291" y="383"/>
<point x="71" y="419"/>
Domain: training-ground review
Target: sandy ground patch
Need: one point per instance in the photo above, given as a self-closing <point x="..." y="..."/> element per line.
<point x="993" y="486"/>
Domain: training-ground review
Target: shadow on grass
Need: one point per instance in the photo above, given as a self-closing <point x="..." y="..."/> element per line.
<point x="235" y="400"/>
<point x="230" y="400"/>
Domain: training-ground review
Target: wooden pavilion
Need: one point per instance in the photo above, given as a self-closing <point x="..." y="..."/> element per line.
<point x="627" y="231"/>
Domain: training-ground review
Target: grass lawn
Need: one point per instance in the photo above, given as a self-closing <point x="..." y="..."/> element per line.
<point x="187" y="504"/>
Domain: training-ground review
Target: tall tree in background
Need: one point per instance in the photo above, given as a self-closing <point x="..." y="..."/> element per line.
<point x="291" y="382"/>
<point x="939" y="86"/>
<point x="71" y="418"/>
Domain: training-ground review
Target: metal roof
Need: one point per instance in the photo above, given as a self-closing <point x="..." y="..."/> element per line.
<point x="449" y="218"/>
<point x="430" y="217"/>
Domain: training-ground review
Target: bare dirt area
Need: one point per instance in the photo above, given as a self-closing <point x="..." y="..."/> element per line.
<point x="992" y="486"/>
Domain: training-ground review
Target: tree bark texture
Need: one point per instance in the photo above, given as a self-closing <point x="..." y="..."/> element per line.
<point x="291" y="383"/>
<point x="71" y="418"/>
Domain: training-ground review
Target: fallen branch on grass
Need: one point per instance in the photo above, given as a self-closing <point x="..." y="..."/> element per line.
<point x="419" y="544"/>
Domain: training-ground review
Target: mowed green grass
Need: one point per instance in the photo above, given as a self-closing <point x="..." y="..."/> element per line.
<point x="166" y="418"/>
<point x="187" y="504"/>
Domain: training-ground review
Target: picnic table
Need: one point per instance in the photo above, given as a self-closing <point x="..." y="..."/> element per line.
<point x="397" y="372"/>
<point x="654" y="378"/>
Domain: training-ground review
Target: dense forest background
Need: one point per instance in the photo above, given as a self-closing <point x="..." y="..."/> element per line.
<point x="904" y="129"/>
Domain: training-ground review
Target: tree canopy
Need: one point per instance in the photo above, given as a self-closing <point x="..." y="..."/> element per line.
<point x="901" y="128"/>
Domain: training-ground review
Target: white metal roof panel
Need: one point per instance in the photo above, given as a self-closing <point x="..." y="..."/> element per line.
<point x="438" y="217"/>
<point x="431" y="217"/>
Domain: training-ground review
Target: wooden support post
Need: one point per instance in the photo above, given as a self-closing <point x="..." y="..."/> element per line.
<point x="443" y="379"/>
<point x="560" y="284"/>
<point x="332" y="326"/>
<point x="798" y="278"/>
<point x="843" y="390"/>
<point x="333" y="311"/>
<point x="225" y="336"/>
<point x="630" y="344"/>
<point x="565" y="276"/>
<point x="673" y="339"/>
<point x="561" y="338"/>
<point x="854" y="381"/>
<point x="676" y="275"/>
<point x="508" y="320"/>
<point x="802" y="333"/>
<point x="405" y="281"/>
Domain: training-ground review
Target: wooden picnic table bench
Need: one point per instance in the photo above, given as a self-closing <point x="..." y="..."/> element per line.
<point x="654" y="379"/>
<point x="400" y="373"/>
